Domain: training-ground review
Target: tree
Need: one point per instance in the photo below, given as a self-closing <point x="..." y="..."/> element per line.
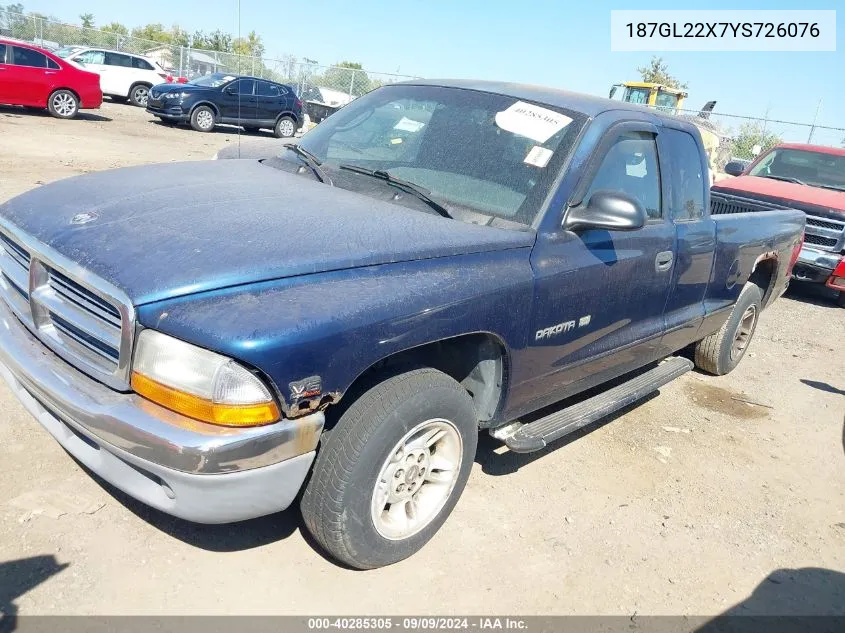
<point x="152" y="32"/>
<point x="87" y="20"/>
<point x="250" y="45"/>
<point x="347" y="77"/>
<point x="658" y="72"/>
<point x="750" y="134"/>
<point x="115" y="27"/>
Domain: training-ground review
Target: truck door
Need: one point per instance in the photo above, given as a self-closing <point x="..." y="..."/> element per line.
<point x="599" y="295"/>
<point x="685" y="165"/>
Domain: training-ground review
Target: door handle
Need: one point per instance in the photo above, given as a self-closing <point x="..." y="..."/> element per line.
<point x="49" y="72"/>
<point x="663" y="261"/>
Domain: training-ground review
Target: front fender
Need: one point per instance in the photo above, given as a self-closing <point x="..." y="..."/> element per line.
<point x="337" y="324"/>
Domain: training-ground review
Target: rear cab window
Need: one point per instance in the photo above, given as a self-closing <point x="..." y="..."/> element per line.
<point x="2" y="53"/>
<point x="53" y="65"/>
<point x="687" y="175"/>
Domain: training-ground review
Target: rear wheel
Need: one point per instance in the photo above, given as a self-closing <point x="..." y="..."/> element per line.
<point x="139" y="95"/>
<point x="63" y="104"/>
<point x="285" y="127"/>
<point x="390" y="472"/>
<point x="203" y="119"/>
<point x="721" y="352"/>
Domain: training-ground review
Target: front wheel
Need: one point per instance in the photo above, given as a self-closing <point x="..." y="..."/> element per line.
<point x="721" y="352"/>
<point x="390" y="472"/>
<point x="285" y="127"/>
<point x="63" y="104"/>
<point x="202" y="119"/>
<point x="139" y="95"/>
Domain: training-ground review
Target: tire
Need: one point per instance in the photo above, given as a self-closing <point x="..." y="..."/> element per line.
<point x="285" y="127"/>
<point x="139" y="94"/>
<point x="720" y="353"/>
<point x="203" y="119"/>
<point x="344" y="508"/>
<point x="63" y="104"/>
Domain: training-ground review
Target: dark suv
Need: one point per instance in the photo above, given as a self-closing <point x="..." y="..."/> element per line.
<point x="229" y="99"/>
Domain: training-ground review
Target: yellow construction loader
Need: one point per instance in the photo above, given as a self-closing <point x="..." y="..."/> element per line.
<point x="671" y="100"/>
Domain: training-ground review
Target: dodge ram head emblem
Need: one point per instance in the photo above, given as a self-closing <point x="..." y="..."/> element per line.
<point x="84" y="218"/>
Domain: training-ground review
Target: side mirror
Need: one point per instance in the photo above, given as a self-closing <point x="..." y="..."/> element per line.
<point x="608" y="210"/>
<point x="612" y="92"/>
<point x="734" y="168"/>
<point x="231" y="90"/>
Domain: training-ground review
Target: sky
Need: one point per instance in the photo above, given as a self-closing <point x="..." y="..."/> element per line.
<point x="558" y="43"/>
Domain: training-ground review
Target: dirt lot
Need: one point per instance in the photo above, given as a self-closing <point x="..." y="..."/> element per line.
<point x="693" y="502"/>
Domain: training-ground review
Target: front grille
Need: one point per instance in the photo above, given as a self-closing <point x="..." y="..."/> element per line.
<point x="824" y="223"/>
<point x="818" y="240"/>
<point x="83" y="319"/>
<point x="825" y="233"/>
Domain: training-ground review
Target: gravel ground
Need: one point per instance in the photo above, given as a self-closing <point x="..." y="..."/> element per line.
<point x="693" y="502"/>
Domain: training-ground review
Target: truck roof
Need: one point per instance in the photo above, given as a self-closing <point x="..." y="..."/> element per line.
<point x="822" y="149"/>
<point x="588" y="104"/>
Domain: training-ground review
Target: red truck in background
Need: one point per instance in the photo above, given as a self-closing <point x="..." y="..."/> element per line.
<point x="810" y="178"/>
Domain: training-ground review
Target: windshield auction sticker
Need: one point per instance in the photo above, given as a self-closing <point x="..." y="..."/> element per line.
<point x="722" y="30"/>
<point x="532" y="121"/>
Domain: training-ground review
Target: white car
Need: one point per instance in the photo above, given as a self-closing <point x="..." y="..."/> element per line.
<point x="122" y="75"/>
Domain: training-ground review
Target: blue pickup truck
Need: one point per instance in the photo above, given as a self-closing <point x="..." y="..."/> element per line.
<point x="342" y="319"/>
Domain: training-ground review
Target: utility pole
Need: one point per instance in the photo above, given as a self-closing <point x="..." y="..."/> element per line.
<point x="813" y="126"/>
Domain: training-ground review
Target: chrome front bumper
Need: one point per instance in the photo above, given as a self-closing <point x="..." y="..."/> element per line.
<point x="190" y="469"/>
<point x="819" y="259"/>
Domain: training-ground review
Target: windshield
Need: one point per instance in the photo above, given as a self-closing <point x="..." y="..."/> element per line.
<point x="66" y="51"/>
<point x="213" y="80"/>
<point x="811" y="168"/>
<point x="473" y="152"/>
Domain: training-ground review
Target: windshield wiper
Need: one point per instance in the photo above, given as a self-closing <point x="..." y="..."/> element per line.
<point x="833" y="187"/>
<point x="786" y="179"/>
<point x="405" y="185"/>
<point x="311" y="161"/>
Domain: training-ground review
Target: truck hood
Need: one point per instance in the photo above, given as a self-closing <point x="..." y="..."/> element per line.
<point x="167" y="230"/>
<point x="791" y="194"/>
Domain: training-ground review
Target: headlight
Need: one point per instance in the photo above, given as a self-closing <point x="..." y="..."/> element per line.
<point x="200" y="384"/>
<point x="174" y="95"/>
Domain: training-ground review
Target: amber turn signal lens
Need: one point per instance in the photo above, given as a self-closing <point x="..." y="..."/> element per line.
<point x="205" y="410"/>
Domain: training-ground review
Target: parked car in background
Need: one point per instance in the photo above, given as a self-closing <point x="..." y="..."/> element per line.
<point x="810" y="178"/>
<point x="229" y="99"/>
<point x="434" y="260"/>
<point x="33" y="77"/>
<point x="122" y="75"/>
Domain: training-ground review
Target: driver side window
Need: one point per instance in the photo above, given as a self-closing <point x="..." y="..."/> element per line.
<point x="630" y="166"/>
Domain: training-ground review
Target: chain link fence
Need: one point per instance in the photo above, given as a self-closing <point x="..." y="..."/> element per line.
<point x="331" y="85"/>
<point x="743" y="137"/>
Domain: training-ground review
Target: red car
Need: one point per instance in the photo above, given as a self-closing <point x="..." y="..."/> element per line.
<point x="33" y="77"/>
<point x="810" y="178"/>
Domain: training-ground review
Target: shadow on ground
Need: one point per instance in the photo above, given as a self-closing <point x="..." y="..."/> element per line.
<point x="823" y="386"/>
<point x="19" y="112"/>
<point x="815" y="294"/>
<point x="229" y="537"/>
<point x="18" y="577"/>
<point x="801" y="600"/>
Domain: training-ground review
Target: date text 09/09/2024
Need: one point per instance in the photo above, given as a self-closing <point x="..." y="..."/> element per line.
<point x="417" y="623"/>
